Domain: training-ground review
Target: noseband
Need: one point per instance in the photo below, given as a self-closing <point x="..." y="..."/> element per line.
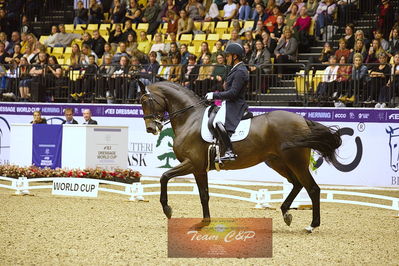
<point x="160" y="118"/>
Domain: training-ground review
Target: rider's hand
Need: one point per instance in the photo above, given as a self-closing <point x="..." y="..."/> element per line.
<point x="209" y="96"/>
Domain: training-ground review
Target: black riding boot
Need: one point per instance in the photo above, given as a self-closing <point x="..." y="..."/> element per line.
<point x="225" y="139"/>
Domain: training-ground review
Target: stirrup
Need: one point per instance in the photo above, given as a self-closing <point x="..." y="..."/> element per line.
<point x="228" y="156"/>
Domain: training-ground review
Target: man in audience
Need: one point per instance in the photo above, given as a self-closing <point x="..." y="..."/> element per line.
<point x="15" y="39"/>
<point x="98" y="43"/>
<point x="150" y="16"/>
<point x="123" y="52"/>
<point x="87" y="118"/>
<point x="259" y="14"/>
<point x="68" y="112"/>
<point x="62" y="39"/>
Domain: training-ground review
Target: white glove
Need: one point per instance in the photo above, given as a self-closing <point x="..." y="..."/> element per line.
<point x="209" y="96"/>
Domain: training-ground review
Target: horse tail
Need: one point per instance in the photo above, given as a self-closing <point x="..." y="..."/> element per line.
<point x="324" y="140"/>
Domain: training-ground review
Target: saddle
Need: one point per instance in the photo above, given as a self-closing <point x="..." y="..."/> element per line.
<point x="217" y="147"/>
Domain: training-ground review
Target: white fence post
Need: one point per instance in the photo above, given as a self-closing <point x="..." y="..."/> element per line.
<point x="137" y="191"/>
<point x="263" y="199"/>
<point x="21" y="186"/>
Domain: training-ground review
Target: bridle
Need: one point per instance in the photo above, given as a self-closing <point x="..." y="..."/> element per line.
<point x="160" y="118"/>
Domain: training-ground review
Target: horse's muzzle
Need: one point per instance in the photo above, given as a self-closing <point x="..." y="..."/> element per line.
<point x="152" y="130"/>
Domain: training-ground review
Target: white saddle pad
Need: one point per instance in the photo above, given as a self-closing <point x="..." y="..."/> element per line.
<point x="241" y="132"/>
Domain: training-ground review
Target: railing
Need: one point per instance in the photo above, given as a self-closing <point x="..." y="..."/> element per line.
<point x="299" y="85"/>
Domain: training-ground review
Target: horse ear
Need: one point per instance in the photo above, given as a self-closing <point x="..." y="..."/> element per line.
<point x="390" y="131"/>
<point x="142" y="87"/>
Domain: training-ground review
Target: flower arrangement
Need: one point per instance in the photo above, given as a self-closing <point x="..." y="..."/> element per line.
<point x="118" y="175"/>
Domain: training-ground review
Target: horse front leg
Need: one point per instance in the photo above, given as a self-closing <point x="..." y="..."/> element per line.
<point x="290" y="198"/>
<point x="182" y="169"/>
<point x="202" y="183"/>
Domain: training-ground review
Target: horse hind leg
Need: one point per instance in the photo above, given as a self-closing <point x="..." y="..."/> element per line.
<point x="202" y="183"/>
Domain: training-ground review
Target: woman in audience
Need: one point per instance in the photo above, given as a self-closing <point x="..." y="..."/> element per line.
<point x="272" y="19"/>
<point x="359" y="35"/>
<point x="249" y="39"/>
<point x="343" y="76"/>
<point x="328" y="85"/>
<point x="247" y="53"/>
<point x="176" y="70"/>
<point x="219" y="74"/>
<point x="87" y="39"/>
<point x="292" y="16"/>
<point x="165" y="11"/>
<point x="24" y="79"/>
<point x="374" y="51"/>
<point x="311" y="7"/>
<point x="133" y="13"/>
<point x="190" y="72"/>
<point x="164" y="68"/>
<point x="185" y="25"/>
<point x="95" y="12"/>
<point x="349" y="36"/>
<point x="116" y="36"/>
<point x="158" y="45"/>
<point x="342" y="50"/>
<point x="219" y="50"/>
<point x="119" y="81"/>
<point x="204" y="52"/>
<point x="75" y="57"/>
<point x="324" y="16"/>
<point x="107" y="51"/>
<point x="173" y="21"/>
<point x="379" y="77"/>
<point x="195" y="10"/>
<point x="278" y="28"/>
<point x="259" y="63"/>
<point x="359" y="48"/>
<point x="390" y="91"/>
<point x="131" y="44"/>
<point x="144" y="45"/>
<point x="202" y="84"/>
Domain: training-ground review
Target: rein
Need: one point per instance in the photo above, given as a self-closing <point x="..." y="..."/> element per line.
<point x="161" y="119"/>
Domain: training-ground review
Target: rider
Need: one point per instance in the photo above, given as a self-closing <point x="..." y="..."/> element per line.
<point x="233" y="105"/>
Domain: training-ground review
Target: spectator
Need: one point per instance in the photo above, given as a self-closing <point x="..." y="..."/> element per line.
<point x="284" y="6"/>
<point x="272" y="19"/>
<point x="122" y="52"/>
<point x="172" y="38"/>
<point x="249" y="39"/>
<point x="359" y="48"/>
<point x="230" y="10"/>
<point x="259" y="61"/>
<point x="204" y="52"/>
<point x="247" y="53"/>
<point x="116" y="36"/>
<point x="374" y="51"/>
<point x="117" y="12"/>
<point x="150" y="70"/>
<point x="202" y="83"/>
<point x="344" y="7"/>
<point x="184" y="54"/>
<point x="158" y="45"/>
<point x="259" y="15"/>
<point x="324" y="56"/>
<point x="285" y="51"/>
<point x="24" y="79"/>
<point x="219" y="74"/>
<point x="38" y="119"/>
<point x="176" y="70"/>
<point x="212" y="13"/>
<point x="15" y="39"/>
<point x="87" y="117"/>
<point x="62" y="39"/>
<point x="342" y="50"/>
<point x="86" y="53"/>
<point x="98" y="44"/>
<point x="16" y="55"/>
<point x="133" y="13"/>
<point x="134" y="73"/>
<point x="3" y="53"/>
<point x="378" y="36"/>
<point x="349" y="36"/>
<point x="219" y="50"/>
<point x="107" y="51"/>
<point x="328" y="85"/>
<point x="68" y="113"/>
<point x="394" y="42"/>
<point x="359" y="35"/>
<point x="75" y="57"/>
<point x="173" y="22"/>
<point x="379" y="77"/>
<point x="359" y="77"/>
<point x="291" y="17"/>
<point x="391" y="89"/>
<point x="54" y="78"/>
<point x="268" y="42"/>
<point x="105" y="72"/>
<point x="185" y="24"/>
<point x="278" y="28"/>
<point x="244" y="12"/>
<point x="119" y="81"/>
<point x="195" y="10"/>
<point x="235" y="38"/>
<point x="3" y="39"/>
<point x="343" y="76"/>
<point x="168" y="6"/>
<point x="311" y="7"/>
<point x="37" y="72"/>
<point x="25" y="25"/>
<point x="4" y="24"/>
<point x="81" y="14"/>
<point x="86" y="37"/>
<point x="150" y="16"/>
<point x="324" y="16"/>
<point x="303" y="21"/>
<point x="95" y="12"/>
<point x="129" y="30"/>
<point x="131" y="44"/>
<point x="386" y="18"/>
<point x="174" y="50"/>
<point x="190" y="70"/>
<point x="271" y="4"/>
<point x="299" y="4"/>
<point x="144" y="45"/>
<point x="29" y="55"/>
<point x="164" y="69"/>
<point x="13" y="11"/>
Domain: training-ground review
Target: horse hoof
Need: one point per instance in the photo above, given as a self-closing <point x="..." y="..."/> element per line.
<point x="206" y="221"/>
<point x="309" y="229"/>
<point x="287" y="218"/>
<point x="168" y="211"/>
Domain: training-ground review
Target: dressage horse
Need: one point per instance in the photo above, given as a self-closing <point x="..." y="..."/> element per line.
<point x="281" y="139"/>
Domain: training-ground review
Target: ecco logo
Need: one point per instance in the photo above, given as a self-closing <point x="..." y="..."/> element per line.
<point x="340" y="115"/>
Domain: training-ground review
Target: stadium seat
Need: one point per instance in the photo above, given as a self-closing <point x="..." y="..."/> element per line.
<point x="163" y="27"/>
<point x="142" y="27"/>
<point x="186" y="38"/>
<point x="208" y="27"/>
<point x="167" y="40"/>
<point x="198" y="39"/>
<point x="43" y="38"/>
<point x="103" y="29"/>
<point x="221" y="13"/>
<point x="225" y="36"/>
<point x="221" y="27"/>
<point x="248" y="24"/>
<point x="92" y="27"/>
<point x="57" y="51"/>
<point x="299" y="80"/>
<point x="79" y="28"/>
<point x="61" y="61"/>
<point x="197" y="25"/>
<point x="212" y="39"/>
<point x="317" y="78"/>
<point x="149" y="37"/>
<point x="69" y="28"/>
<point x="312" y="27"/>
<point x="106" y="37"/>
<point x="191" y="49"/>
<point x="68" y="50"/>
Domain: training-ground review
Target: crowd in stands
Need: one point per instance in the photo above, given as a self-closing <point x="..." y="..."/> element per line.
<point x="112" y="44"/>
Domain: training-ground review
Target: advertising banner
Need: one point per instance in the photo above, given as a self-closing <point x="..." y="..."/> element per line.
<point x="47" y="145"/>
<point x="368" y="157"/>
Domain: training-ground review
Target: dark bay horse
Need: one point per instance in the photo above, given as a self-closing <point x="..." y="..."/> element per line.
<point x="281" y="139"/>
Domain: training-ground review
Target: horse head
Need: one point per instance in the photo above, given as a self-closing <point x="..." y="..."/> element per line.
<point x="154" y="107"/>
<point x="394" y="148"/>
